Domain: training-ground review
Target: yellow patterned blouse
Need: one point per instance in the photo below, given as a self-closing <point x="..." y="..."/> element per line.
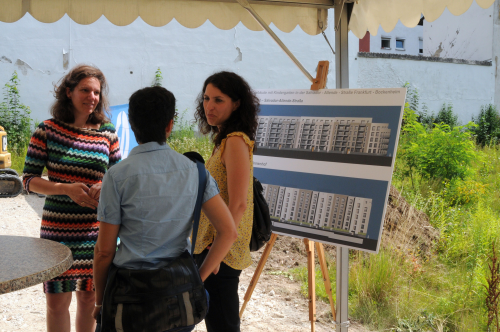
<point x="239" y="255"/>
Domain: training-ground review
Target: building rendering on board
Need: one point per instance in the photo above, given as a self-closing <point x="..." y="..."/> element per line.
<point x="325" y="134"/>
<point x="333" y="212"/>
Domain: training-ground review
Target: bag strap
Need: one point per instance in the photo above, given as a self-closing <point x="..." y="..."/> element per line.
<point x="197" y="209"/>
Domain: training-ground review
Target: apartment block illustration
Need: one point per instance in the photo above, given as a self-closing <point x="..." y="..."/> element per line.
<point x="313" y="207"/>
<point x="360" y="215"/>
<point x="289" y="210"/>
<point x="303" y="205"/>
<point x="348" y="213"/>
<point x="262" y="136"/>
<point x="279" y="202"/>
<point x="315" y="133"/>
<point x="271" y="194"/>
<point x="339" y="207"/>
<point x="277" y="131"/>
<point x="343" y="213"/>
<point x="326" y="134"/>
<point x="324" y="211"/>
<point x="349" y="134"/>
<point x="379" y="135"/>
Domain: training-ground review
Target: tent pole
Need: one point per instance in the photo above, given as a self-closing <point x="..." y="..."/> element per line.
<point x="246" y="5"/>
<point x="342" y="82"/>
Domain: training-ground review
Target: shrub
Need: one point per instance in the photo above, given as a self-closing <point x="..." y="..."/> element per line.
<point x="488" y="125"/>
<point x="15" y="116"/>
<point x="446" y="116"/>
<point x="158" y="78"/>
<point x="184" y="138"/>
<point x="467" y="191"/>
<point x="439" y="153"/>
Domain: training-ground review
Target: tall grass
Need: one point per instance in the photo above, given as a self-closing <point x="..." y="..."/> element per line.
<point x="404" y="291"/>
<point x="17" y="159"/>
<point x="184" y="138"/>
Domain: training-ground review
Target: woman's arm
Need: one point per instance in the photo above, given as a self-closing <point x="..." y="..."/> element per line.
<point x="78" y="192"/>
<point x="104" y="252"/>
<point x="220" y="217"/>
<point x="236" y="158"/>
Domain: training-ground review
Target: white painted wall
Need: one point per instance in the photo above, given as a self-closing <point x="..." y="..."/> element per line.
<point x="467" y="87"/>
<point x="410" y="35"/>
<point x="129" y="56"/>
<point x="187" y="56"/>
<point x="468" y="36"/>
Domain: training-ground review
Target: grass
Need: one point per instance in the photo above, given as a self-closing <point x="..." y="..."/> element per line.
<point x="17" y="159"/>
<point x="404" y="291"/>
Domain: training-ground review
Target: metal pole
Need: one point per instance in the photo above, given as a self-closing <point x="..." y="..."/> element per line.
<point x="263" y="24"/>
<point x="342" y="82"/>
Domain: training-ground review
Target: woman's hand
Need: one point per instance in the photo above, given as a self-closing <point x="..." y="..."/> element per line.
<point x="79" y="193"/>
<point x="95" y="191"/>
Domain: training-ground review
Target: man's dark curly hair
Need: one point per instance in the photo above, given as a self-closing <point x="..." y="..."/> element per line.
<point x="149" y="112"/>
<point x="63" y="109"/>
<point x="243" y="119"/>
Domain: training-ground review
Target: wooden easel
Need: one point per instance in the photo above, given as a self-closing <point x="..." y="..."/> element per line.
<point x="318" y="83"/>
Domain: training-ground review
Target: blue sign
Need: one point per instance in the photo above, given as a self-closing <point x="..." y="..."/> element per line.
<point x="126" y="137"/>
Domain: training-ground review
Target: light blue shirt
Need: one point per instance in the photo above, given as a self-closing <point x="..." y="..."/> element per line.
<point x="151" y="195"/>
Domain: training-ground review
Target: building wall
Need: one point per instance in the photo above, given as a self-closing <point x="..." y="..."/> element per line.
<point x="468" y="36"/>
<point x="129" y="56"/>
<point x="466" y="86"/>
<point x="411" y="39"/>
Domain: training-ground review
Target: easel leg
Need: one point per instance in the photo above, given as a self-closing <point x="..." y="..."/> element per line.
<point x="326" y="276"/>
<point x="312" y="282"/>
<point x="258" y="271"/>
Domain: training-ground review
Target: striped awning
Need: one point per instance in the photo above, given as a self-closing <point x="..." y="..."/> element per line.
<point x="286" y="15"/>
<point x="368" y="15"/>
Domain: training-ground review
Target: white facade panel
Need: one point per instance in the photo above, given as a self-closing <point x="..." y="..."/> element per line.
<point x="348" y="213"/>
<point x="360" y="215"/>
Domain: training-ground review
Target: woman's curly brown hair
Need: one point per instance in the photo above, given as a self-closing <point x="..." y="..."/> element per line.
<point x="63" y="109"/>
<point x="244" y="118"/>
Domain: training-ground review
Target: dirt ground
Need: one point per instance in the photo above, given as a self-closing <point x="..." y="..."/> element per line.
<point x="276" y="304"/>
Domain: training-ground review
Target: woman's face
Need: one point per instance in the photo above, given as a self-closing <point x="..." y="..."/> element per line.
<point x="217" y="105"/>
<point x="85" y="96"/>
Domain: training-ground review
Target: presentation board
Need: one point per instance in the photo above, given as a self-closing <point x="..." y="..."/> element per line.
<point x="325" y="159"/>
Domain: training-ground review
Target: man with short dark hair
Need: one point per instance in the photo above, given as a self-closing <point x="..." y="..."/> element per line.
<point x="148" y="199"/>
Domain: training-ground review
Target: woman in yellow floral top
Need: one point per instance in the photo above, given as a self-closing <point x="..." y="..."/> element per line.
<point x="227" y="108"/>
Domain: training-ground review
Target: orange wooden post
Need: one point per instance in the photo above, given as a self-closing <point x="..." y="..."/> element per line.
<point x="312" y="282"/>
<point x="326" y="276"/>
<point x="321" y="75"/>
<point x="258" y="271"/>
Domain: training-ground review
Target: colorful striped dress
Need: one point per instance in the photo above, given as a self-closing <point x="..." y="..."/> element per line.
<point x="71" y="155"/>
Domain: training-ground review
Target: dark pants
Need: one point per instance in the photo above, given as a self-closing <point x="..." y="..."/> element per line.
<point x="223" y="315"/>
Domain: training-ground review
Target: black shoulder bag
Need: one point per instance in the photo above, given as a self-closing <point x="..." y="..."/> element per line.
<point x="261" y="230"/>
<point x="157" y="300"/>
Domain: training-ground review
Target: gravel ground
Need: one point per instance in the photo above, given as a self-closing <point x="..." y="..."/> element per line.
<point x="276" y="304"/>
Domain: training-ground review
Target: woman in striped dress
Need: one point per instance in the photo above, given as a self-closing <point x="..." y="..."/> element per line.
<point x="77" y="146"/>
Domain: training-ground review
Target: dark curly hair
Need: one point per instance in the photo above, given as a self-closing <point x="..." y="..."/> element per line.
<point x="150" y="110"/>
<point x="243" y="119"/>
<point x="63" y="110"/>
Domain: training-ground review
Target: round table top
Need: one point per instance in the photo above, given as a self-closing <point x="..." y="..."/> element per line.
<point x="27" y="261"/>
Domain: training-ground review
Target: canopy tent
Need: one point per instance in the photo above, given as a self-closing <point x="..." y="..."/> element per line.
<point x="370" y="14"/>
<point x="226" y="14"/>
<point x="286" y="15"/>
